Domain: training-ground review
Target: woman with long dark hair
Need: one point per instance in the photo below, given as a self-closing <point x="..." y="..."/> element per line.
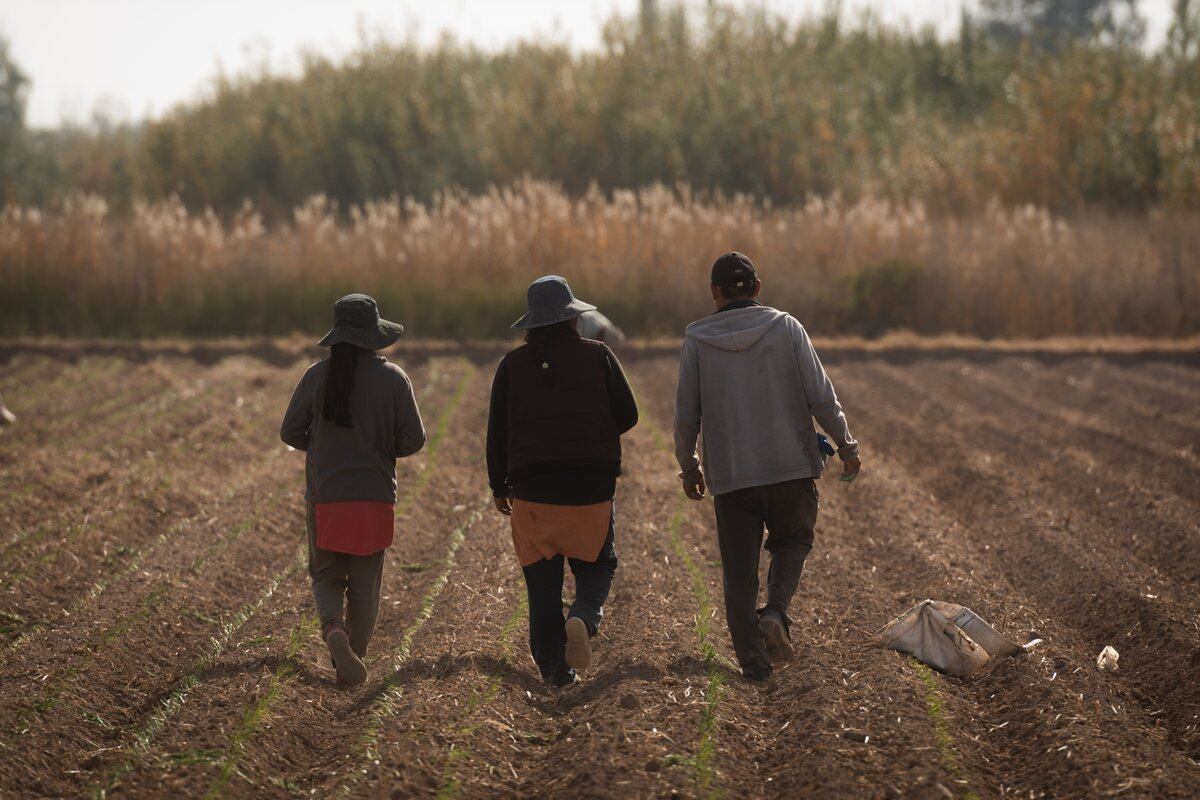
<point x="354" y="414"/>
<point x="559" y="406"/>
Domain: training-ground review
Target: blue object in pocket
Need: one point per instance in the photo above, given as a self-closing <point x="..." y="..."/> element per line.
<point x="825" y="445"/>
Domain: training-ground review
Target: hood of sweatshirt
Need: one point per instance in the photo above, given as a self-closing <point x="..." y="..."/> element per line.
<point x="735" y="330"/>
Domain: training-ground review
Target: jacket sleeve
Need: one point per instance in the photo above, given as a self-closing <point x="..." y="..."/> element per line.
<point x="621" y="402"/>
<point x="410" y="428"/>
<point x="297" y="420"/>
<point x="497" y="434"/>
<point x="818" y="389"/>
<point x="687" y="411"/>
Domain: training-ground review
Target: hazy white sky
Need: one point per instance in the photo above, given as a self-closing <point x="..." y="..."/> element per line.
<point x="139" y="57"/>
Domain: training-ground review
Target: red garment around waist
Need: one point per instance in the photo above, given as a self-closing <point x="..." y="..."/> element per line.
<point x="359" y="527"/>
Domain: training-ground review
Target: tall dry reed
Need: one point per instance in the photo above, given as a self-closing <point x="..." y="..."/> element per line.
<point x="457" y="267"/>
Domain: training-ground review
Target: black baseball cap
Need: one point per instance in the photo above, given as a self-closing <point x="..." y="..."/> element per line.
<point x="734" y="271"/>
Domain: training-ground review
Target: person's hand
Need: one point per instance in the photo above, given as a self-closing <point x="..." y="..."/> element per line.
<point x="504" y="505"/>
<point x="850" y="468"/>
<point x="694" y="489"/>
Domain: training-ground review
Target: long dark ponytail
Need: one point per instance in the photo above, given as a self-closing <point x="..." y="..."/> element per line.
<point x="339" y="384"/>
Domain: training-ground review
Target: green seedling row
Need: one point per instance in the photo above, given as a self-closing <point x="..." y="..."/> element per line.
<point x="449" y="783"/>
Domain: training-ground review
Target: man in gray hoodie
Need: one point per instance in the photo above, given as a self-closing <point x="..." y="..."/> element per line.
<point x="750" y="379"/>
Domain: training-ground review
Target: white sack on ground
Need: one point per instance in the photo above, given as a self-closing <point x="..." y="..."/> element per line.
<point x="950" y="638"/>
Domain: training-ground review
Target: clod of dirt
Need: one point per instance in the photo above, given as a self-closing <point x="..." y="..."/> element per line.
<point x="653" y="765"/>
<point x="630" y="701"/>
<point x="1107" y="660"/>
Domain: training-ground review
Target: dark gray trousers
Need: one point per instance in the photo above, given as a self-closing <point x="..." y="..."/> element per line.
<point x="788" y="510"/>
<point x="342" y="582"/>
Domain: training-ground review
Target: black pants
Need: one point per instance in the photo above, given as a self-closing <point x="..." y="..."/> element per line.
<point x="789" y="512"/>
<point x="544" y="583"/>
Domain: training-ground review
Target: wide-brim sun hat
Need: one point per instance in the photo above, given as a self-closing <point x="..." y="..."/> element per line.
<point x="550" y="302"/>
<point x="356" y="321"/>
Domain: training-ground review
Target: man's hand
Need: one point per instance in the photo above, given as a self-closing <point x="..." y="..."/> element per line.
<point x="850" y="468"/>
<point x="504" y="505"/>
<point x="694" y="489"/>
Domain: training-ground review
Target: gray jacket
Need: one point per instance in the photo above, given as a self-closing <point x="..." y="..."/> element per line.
<point x="752" y="381"/>
<point x="356" y="463"/>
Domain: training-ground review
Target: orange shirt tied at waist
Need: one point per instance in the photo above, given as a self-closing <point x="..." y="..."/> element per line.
<point x="543" y="530"/>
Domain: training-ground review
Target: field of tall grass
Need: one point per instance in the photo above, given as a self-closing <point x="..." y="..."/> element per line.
<point x="458" y="265"/>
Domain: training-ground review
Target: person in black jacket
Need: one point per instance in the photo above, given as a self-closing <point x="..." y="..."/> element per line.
<point x="559" y="406"/>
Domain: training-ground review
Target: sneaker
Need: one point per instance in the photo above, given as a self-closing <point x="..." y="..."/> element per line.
<point x="775" y="639"/>
<point x="579" y="643"/>
<point x="350" y="668"/>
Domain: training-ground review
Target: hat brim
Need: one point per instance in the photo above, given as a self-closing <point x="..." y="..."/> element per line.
<point x="543" y="317"/>
<point x="378" y="337"/>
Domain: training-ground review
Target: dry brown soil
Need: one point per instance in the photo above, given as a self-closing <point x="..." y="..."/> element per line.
<point x="157" y="640"/>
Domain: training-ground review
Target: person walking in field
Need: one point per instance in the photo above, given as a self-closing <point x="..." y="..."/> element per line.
<point x="751" y="382"/>
<point x="559" y="406"/>
<point x="353" y="414"/>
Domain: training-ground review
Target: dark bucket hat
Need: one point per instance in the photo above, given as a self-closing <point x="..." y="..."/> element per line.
<point x="356" y="321"/>
<point x="550" y="301"/>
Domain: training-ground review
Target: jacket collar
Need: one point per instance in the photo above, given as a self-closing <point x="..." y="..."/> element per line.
<point x="738" y="304"/>
<point x="555" y="332"/>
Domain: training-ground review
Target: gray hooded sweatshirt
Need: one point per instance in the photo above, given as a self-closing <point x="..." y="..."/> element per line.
<point x="752" y="380"/>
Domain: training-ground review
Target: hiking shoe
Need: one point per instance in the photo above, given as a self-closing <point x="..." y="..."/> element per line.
<point x="562" y="679"/>
<point x="763" y="682"/>
<point x="350" y="668"/>
<point x="775" y="639"/>
<point x="579" y="643"/>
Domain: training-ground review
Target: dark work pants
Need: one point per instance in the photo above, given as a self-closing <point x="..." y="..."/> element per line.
<point x="343" y="581"/>
<point x="544" y="584"/>
<point x="789" y="512"/>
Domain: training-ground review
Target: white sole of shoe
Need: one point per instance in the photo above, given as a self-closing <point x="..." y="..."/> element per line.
<point x="350" y="667"/>
<point x="579" y="644"/>
<point x="779" y="649"/>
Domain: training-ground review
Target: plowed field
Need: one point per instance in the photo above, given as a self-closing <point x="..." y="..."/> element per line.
<point x="157" y="637"/>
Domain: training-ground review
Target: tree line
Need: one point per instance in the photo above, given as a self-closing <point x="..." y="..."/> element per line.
<point x="1049" y="102"/>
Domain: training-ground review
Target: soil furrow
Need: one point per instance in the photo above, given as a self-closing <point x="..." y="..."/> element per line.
<point x="1002" y="512"/>
<point x="49" y="398"/>
<point x="1099" y="388"/>
<point x="1172" y="471"/>
<point x="145" y="492"/>
<point x="78" y="466"/>
<point x="1141" y="524"/>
